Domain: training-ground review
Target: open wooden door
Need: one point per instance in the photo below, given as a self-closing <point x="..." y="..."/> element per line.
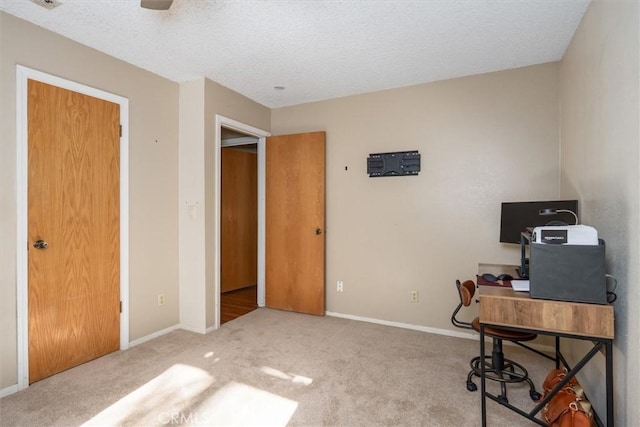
<point x="295" y="223"/>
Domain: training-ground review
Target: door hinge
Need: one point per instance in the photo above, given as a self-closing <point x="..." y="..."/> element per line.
<point x="120" y="306"/>
<point x="120" y="131"/>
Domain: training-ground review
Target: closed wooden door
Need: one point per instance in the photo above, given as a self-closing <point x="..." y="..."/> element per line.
<point x="73" y="228"/>
<point x="239" y="219"/>
<point x="295" y="223"/>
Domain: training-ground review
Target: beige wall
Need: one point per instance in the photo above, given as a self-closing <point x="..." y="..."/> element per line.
<point x="483" y="140"/>
<point x="225" y="102"/>
<point x="200" y="101"/>
<point x="600" y="140"/>
<point x="191" y="196"/>
<point x="153" y="174"/>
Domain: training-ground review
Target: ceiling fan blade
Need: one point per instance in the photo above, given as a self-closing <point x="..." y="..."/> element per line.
<point x="156" y="4"/>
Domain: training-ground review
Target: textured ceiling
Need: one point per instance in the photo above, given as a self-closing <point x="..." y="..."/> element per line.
<point x="316" y="49"/>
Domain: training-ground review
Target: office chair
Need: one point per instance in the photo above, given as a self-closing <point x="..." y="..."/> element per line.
<point x="497" y="368"/>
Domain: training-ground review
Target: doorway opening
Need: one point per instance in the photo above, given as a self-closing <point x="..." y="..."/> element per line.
<point x="239" y="219"/>
<point x="238" y="224"/>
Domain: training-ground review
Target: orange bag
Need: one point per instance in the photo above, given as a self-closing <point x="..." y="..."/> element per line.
<point x="565" y="410"/>
<point x="554" y="377"/>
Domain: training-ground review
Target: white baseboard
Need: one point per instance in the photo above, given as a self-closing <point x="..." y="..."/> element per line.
<point x="194" y="330"/>
<point x="9" y="390"/>
<point x="420" y="328"/>
<point x="427" y="329"/>
<point x="154" y="335"/>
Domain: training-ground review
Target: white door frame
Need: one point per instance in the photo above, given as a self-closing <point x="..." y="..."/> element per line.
<point x="23" y="74"/>
<point x="261" y="135"/>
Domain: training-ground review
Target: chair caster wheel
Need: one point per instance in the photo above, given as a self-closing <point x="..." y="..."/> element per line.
<point x="471" y="386"/>
<point x="535" y="396"/>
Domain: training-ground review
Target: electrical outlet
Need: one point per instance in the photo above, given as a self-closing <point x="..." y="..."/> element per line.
<point x="414" y="296"/>
<point x="340" y="286"/>
<point x="161" y="300"/>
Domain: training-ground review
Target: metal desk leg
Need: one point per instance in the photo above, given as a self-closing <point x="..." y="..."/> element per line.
<point x="557" y="352"/>
<point x="608" y="346"/>
<point x="482" y="378"/>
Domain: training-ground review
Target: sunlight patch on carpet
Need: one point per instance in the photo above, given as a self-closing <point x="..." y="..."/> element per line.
<point x="296" y="379"/>
<point x="158" y="401"/>
<point x="238" y="404"/>
<point x="209" y="354"/>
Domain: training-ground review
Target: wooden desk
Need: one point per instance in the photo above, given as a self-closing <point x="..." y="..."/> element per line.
<point x="516" y="310"/>
<point x="505" y="307"/>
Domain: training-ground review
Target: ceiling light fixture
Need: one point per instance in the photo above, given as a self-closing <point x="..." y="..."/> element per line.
<point x="156" y="4"/>
<point x="47" y="4"/>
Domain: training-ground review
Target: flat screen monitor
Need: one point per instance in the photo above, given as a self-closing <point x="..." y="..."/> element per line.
<point x="515" y="217"/>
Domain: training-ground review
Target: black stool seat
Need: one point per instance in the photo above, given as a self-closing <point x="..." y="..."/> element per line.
<point x="505" y="334"/>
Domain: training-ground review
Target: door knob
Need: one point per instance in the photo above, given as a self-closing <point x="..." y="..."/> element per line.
<point x="318" y="231"/>
<point x="40" y="244"/>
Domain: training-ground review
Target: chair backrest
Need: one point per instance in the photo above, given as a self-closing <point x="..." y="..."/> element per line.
<point x="466" y="291"/>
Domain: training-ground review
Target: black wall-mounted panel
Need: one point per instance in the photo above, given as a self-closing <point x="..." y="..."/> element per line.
<point x="393" y="164"/>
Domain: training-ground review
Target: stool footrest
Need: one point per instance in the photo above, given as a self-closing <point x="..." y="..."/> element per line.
<point x="507" y="372"/>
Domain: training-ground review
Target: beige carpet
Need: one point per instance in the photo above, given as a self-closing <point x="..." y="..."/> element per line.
<point x="273" y="368"/>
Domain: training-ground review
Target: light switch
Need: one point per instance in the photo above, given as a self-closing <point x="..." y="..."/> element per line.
<point x="192" y="212"/>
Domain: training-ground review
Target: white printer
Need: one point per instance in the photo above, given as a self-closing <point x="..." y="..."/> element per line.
<point x="565" y="234"/>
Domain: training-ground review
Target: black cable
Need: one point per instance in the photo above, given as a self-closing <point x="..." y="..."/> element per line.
<point x="611" y="295"/>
